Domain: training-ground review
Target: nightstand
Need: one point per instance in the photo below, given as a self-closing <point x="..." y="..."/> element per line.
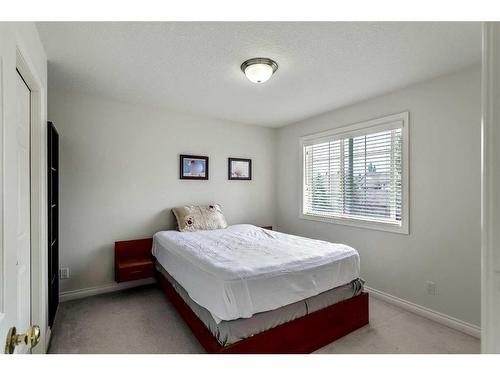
<point x="133" y="260"/>
<point x="269" y="227"/>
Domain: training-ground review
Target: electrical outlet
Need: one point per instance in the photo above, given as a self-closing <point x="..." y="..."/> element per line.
<point x="431" y="288"/>
<point x="64" y="273"/>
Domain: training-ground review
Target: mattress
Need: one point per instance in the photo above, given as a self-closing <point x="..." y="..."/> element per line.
<point x="244" y="270"/>
<point x="232" y="331"/>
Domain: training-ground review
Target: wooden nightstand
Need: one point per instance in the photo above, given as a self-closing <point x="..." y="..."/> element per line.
<point x="270" y="227"/>
<point x="133" y="260"/>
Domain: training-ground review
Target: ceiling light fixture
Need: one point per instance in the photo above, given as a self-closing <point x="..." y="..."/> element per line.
<point x="259" y="69"/>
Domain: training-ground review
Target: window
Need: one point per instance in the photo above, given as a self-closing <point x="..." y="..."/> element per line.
<point x="358" y="174"/>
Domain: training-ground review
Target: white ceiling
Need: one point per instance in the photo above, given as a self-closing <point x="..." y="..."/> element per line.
<point x="195" y="67"/>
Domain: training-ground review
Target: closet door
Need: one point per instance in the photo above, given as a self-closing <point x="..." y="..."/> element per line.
<point x="53" y="219"/>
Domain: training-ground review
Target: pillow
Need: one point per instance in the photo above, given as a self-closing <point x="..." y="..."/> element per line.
<point x="193" y="218"/>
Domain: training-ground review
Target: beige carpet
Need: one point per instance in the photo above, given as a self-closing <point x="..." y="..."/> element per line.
<point x="142" y="320"/>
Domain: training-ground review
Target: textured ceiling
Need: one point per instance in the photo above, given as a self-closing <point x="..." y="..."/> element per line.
<point x="195" y="67"/>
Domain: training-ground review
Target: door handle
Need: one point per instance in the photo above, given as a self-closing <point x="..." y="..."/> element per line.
<point x="31" y="338"/>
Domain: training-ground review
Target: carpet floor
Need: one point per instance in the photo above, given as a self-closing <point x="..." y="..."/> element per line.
<point x="142" y="320"/>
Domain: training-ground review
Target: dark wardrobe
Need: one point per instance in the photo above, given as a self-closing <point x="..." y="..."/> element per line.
<point x="53" y="218"/>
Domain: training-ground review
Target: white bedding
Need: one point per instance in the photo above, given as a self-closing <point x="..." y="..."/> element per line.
<point x="242" y="270"/>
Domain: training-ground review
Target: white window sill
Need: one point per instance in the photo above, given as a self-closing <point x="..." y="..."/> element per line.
<point x="360" y="223"/>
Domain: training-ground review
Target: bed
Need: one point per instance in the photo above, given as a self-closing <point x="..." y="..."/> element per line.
<point x="245" y="289"/>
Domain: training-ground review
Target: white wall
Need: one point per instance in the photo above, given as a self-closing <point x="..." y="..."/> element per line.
<point x="120" y="176"/>
<point x="22" y="36"/>
<point x="444" y="241"/>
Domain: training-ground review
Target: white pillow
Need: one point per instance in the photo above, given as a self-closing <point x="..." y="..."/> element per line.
<point x="193" y="218"/>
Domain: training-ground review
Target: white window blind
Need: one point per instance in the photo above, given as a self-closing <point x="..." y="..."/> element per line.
<point x="356" y="175"/>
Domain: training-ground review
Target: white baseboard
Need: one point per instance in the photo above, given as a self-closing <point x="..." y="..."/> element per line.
<point x="95" y="290"/>
<point x="438" y="317"/>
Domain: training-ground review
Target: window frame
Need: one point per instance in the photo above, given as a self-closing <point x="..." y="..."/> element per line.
<point x="356" y="129"/>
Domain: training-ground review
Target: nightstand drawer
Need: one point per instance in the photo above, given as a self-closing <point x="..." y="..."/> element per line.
<point x="133" y="260"/>
<point x="135" y="272"/>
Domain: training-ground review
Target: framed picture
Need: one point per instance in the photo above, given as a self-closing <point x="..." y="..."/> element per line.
<point x="239" y="169"/>
<point x="193" y="167"/>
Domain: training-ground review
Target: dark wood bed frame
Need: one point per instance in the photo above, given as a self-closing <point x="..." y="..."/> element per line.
<point x="302" y="335"/>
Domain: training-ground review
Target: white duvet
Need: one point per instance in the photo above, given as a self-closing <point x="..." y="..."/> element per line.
<point x="242" y="270"/>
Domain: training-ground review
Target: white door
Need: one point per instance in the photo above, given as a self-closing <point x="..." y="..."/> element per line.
<point x="16" y="309"/>
<point x="23" y="207"/>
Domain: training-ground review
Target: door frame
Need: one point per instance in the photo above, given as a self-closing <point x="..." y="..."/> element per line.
<point x="38" y="202"/>
<point x="490" y="210"/>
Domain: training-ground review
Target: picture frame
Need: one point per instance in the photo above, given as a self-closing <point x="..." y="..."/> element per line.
<point x="193" y="167"/>
<point x="239" y="169"/>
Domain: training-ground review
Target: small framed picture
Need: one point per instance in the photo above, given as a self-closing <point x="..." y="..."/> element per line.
<point x="193" y="167"/>
<point x="239" y="169"/>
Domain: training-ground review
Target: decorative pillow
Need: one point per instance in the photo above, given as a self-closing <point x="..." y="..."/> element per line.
<point x="193" y="218"/>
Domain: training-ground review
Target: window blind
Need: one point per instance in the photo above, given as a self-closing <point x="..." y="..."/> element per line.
<point x="355" y="176"/>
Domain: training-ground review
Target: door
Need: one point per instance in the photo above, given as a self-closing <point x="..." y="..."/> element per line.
<point x="16" y="275"/>
<point x="23" y="208"/>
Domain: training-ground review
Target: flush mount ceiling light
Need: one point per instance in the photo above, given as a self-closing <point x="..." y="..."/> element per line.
<point x="259" y="69"/>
